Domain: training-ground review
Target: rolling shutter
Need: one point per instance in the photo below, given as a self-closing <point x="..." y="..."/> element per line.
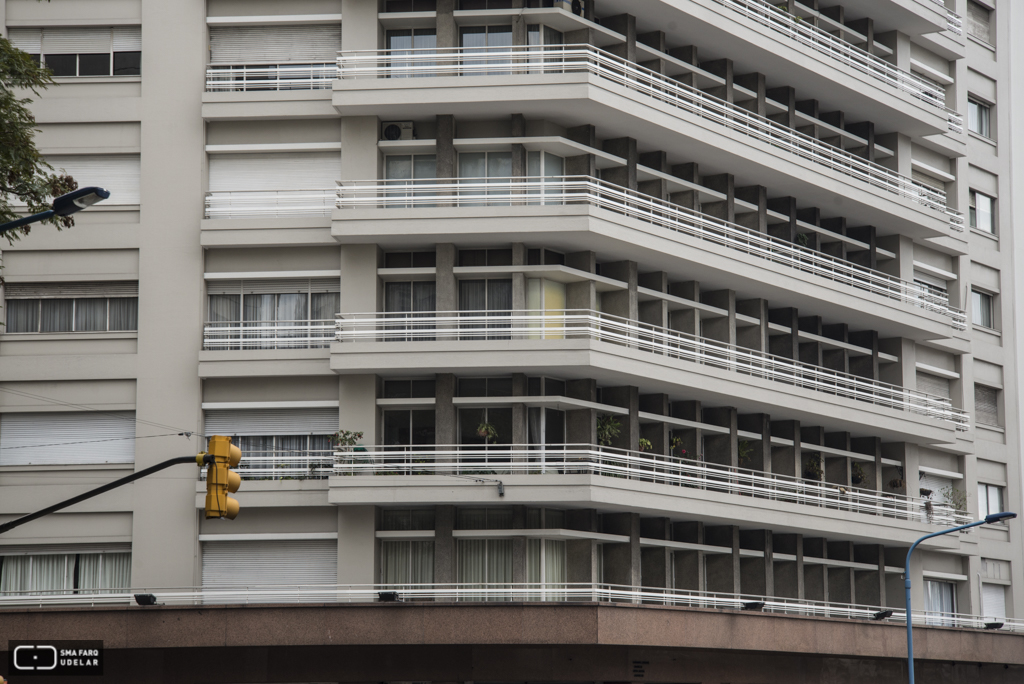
<point x="270" y="563"/>
<point x="986" y="407"/>
<point x="274" y="44"/>
<point x="127" y="38"/>
<point x="934" y="483"/>
<point x="28" y="40"/>
<point x="125" y="288"/>
<point x="63" y="549"/>
<point x="67" y="438"/>
<point x="118" y="173"/>
<point x="309" y="421"/>
<point x="993" y="601"/>
<point x="286" y="171"/>
<point x="979" y="23"/>
<point x="933" y="384"/>
<point x="76" y="40"/>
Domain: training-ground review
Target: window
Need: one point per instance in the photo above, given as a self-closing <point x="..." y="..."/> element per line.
<point x="483" y="519"/>
<point x="990" y="499"/>
<point x="275" y="171"/>
<point x="979" y="117"/>
<point x="486" y="563"/>
<point x="485" y="257"/>
<point x="404" y="170"/>
<point x="270" y="563"/>
<point x="83" y="51"/>
<point x="401" y="519"/>
<point x="76" y="573"/>
<point x="986" y="405"/>
<point x="546" y="426"/>
<point x="412" y="39"/>
<point x="405" y="563"/>
<point x="410" y="260"/>
<point x="979" y="21"/>
<point x="545" y="562"/>
<point x="409" y="389"/>
<point x="72" y="438"/>
<point x="982" y="310"/>
<point x="933" y="384"/>
<point x="283" y="313"/>
<point x="939" y="602"/>
<point x="118" y="173"/>
<point x="296" y="45"/>
<point x="409" y="428"/>
<point x="410" y="296"/>
<point x="982" y="212"/>
<point x="486" y="39"/>
<point x="485" y="4"/>
<point x="993" y="602"/>
<point x="71" y="307"/>
<point x="537" y="34"/>
<point x="410" y="6"/>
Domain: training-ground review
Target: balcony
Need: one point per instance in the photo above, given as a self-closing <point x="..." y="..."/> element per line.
<point x="601" y="327"/>
<point x="588" y="459"/>
<point x="306" y="464"/>
<point x="236" y="78"/>
<point x="252" y="335"/>
<point x="612" y="70"/>
<point x="240" y="204"/>
<point x="825" y="43"/>
<point x="665" y="215"/>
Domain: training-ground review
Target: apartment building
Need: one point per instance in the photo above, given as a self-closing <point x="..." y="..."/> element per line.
<point x="700" y="310"/>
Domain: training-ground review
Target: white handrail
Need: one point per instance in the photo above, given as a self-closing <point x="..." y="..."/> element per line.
<point x="233" y="204"/>
<point x="580" y="459"/>
<point x="824" y="42"/>
<point x="222" y="78"/>
<point x="589" y="59"/>
<point x="279" y="464"/>
<point x="233" y="335"/>
<point x="602" y="327"/>
<point x="556" y="190"/>
<point x="424" y="594"/>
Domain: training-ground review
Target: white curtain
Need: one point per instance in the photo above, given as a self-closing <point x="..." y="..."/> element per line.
<point x="124" y="313"/>
<point x="485" y="562"/>
<point x="407" y="562"/>
<point x="57" y="315"/>
<point x="37" y="574"/>
<point x="940" y="602"/>
<point x="104" y="571"/>
<point x="22" y="315"/>
<point x="90" y="314"/>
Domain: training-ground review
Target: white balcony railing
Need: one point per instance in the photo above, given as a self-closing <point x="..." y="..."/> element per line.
<point x="671" y="217"/>
<point x="587" y="459"/>
<point x="505" y="592"/>
<point x="589" y="59"/>
<point x="235" y="204"/>
<point x="282" y="464"/>
<point x="238" y="335"/>
<point x="863" y="61"/>
<point x="231" y="78"/>
<point x="602" y="327"/>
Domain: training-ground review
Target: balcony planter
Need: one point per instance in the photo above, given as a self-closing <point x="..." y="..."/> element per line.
<point x="608" y="428"/>
<point x="857" y="475"/>
<point x="487" y="431"/>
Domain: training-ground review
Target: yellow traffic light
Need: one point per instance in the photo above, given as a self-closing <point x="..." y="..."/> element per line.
<point x="220" y="479"/>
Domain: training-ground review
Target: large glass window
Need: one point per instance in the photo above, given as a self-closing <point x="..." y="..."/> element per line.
<point x="92" y="314"/>
<point x="300" y="314"/>
<point x="982" y="310"/>
<point x="285" y="457"/>
<point x="84" y="50"/>
<point x="76" y="573"/>
<point x="403" y="427"/>
<point x="939" y="602"/>
<point x="982" y="212"/>
<point x="406" y="563"/>
<point x="990" y="499"/>
<point x="979" y="116"/>
<point x="545" y="562"/>
<point x="404" y="42"/>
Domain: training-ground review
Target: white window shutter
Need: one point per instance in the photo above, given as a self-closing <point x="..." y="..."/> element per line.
<point x="67" y="438"/>
<point x="77" y="40"/>
<point x="274" y="44"/>
<point x="118" y="173"/>
<point x="28" y="40"/>
<point x="934" y="483"/>
<point x="933" y="384"/>
<point x="126" y="288"/>
<point x="986" y="407"/>
<point x="284" y="563"/>
<point x="267" y="422"/>
<point x="127" y="39"/>
<point x="279" y="171"/>
<point x="993" y="602"/>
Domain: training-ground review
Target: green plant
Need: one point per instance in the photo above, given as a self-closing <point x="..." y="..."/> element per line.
<point x="677" y="445"/>
<point x="346" y="438"/>
<point x="608" y="428"/>
<point x="954" y="497"/>
<point x="746" y="451"/>
<point x="802" y="239"/>
<point x="857" y="475"/>
<point x="812" y="469"/>
<point x="898" y="481"/>
<point x="487" y="431"/>
<point x="645" y="444"/>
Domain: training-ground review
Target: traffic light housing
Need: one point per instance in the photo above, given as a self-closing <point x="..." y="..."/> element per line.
<point x="222" y="455"/>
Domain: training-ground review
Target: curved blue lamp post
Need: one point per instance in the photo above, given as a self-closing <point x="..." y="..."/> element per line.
<point x="993" y="518"/>
<point x="65" y="205"/>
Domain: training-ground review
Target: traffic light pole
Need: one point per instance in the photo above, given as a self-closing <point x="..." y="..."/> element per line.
<point x="96" y="492"/>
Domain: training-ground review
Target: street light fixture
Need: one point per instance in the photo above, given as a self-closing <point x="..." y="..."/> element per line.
<point x="65" y="205"/>
<point x="989" y="519"/>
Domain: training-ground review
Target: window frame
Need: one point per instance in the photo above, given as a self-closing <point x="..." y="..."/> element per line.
<point x="973" y="212"/>
<point x="985" y="122"/>
<point x="74" y="316"/>
<point x="983" y="296"/>
<point x="985" y="498"/>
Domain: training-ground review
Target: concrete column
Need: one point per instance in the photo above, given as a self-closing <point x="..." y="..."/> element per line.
<point x="869" y="585"/>
<point x="785" y="96"/>
<point x="836" y="119"/>
<point x="444" y="545"/>
<point x="811" y="352"/>
<point x="445" y="418"/>
<point x="865" y="27"/>
<point x="756" y="83"/>
<point x="902" y="146"/>
<point x="723" y="569"/>
<point x="721" y="328"/>
<point x="581" y="424"/>
<point x="840" y="580"/>
<point x="685" y="320"/>
<point x="656" y="40"/>
<point x="654" y="312"/>
<point x="519" y="36"/>
<point x="759" y="452"/>
<point x="584" y="164"/>
<point x="786" y="460"/>
<point x="785" y="230"/>
<point x="721" y="448"/>
<point x="788" y="575"/>
<point x="870" y="446"/>
<point x="519" y="569"/>
<point x="691" y="439"/>
<point x="757" y="575"/>
<point x="657" y="187"/>
<point x="836" y="248"/>
<point x="657" y="433"/>
<point x="904" y="372"/>
<point x="358" y="550"/>
<point x="690" y="199"/>
<point x="722" y="209"/>
<point x="447" y="290"/>
<point x="622" y="302"/>
<point x="865" y="365"/>
<point x="361" y="159"/>
<point x="656" y="562"/>
<point x="756" y="219"/>
<point x="622" y="561"/>
<point x="361" y="29"/>
<point x="357" y="405"/>
<point x="518" y="150"/>
<point x="626" y="397"/>
<point x="519" y="430"/>
<point x="836" y="359"/>
<point x="447" y="30"/>
<point x="867" y="258"/>
<point x="626" y="25"/>
<point x="812" y="109"/>
<point x="518" y="279"/>
<point x="447" y="157"/>
<point x="723" y="69"/>
<point x="689" y="565"/>
<point x="786" y="345"/>
<point x="753" y="336"/>
<point x="815" y="575"/>
<point x="624" y="176"/>
<point x="866" y="130"/>
<point x="358" y="270"/>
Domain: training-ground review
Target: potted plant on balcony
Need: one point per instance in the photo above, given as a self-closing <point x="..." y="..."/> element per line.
<point x="487" y="431"/>
<point x="857" y="475"/>
<point x="954" y="497"/>
<point x="608" y="428"/>
<point x="645" y="444"/>
<point x="746" y="453"/>
<point x="677" y="447"/>
<point x="813" y="470"/>
<point x="898" y="482"/>
<point x="346" y="443"/>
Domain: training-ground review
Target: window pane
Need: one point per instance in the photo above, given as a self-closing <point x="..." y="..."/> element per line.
<point x="424" y="295"/>
<point x="396" y="428"/>
<point x="423" y="427"/>
<point x="224" y="308"/>
<point x="22" y="315"/>
<point x="94" y="65"/>
<point x="425" y="39"/>
<point x="57" y="315"/>
<point x="398" y="167"/>
<point x="259" y="307"/>
<point x="293" y="307"/>
<point x="400" y="39"/>
<point x="127" y="63"/>
<point x="472" y="295"/>
<point x="397" y="297"/>
<point x="90" y="315"/>
<point x="472" y="165"/>
<point x="983" y="213"/>
<point x="63" y="65"/>
<point x="995" y="499"/>
<point x="124" y="313"/>
<point x="473" y="36"/>
<point x="325" y="305"/>
<point x="499" y="164"/>
<point x="425" y="166"/>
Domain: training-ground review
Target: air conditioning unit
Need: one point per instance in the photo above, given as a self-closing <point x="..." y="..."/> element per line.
<point x="396" y="130"/>
<point x="574" y="6"/>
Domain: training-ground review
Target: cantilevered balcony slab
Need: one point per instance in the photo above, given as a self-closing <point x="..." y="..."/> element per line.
<point x="616" y="234"/>
<point x="582" y="85"/>
<point x="263" y="363"/>
<point x="269" y="104"/>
